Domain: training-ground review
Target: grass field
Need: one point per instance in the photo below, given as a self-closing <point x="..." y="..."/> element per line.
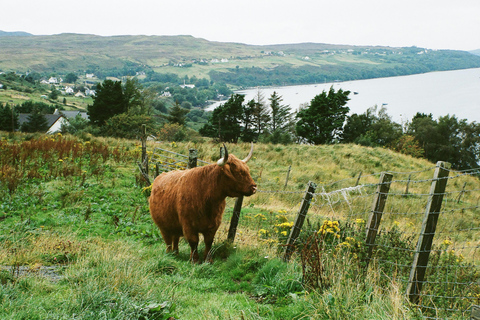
<point x="77" y="240"/>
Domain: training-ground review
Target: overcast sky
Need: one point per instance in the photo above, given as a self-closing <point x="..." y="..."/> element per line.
<point x="434" y="24"/>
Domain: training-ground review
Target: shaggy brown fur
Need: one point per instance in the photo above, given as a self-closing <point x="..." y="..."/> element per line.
<point x="189" y="202"/>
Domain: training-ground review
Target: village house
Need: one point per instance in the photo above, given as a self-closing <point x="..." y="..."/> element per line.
<point x="54" y="121"/>
<point x="69" y="90"/>
<point x="71" y="114"/>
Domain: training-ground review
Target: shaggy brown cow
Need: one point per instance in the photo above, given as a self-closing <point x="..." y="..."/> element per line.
<point x="188" y="202"/>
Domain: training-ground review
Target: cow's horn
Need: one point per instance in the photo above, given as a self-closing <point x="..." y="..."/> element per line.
<point x="224" y="160"/>
<point x="249" y="155"/>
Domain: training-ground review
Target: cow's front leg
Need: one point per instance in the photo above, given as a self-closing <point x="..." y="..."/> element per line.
<point x="208" y="238"/>
<point x="193" y="242"/>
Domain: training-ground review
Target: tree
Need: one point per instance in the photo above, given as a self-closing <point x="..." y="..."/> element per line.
<point x="28" y="107"/>
<point x="425" y="130"/>
<point x="281" y="115"/>
<point x="356" y="127"/>
<point x="251" y="121"/>
<point x="132" y="94"/>
<point x="383" y="131"/>
<point x="126" y="125"/>
<point x="447" y="139"/>
<point x="259" y="116"/>
<point x="36" y="122"/>
<point x="8" y="118"/>
<point x="54" y="93"/>
<point x="109" y="101"/>
<point x="321" y="122"/>
<point x="74" y="125"/>
<point x="226" y="120"/>
<point x="71" y="78"/>
<point x="177" y="114"/>
<point x="372" y="128"/>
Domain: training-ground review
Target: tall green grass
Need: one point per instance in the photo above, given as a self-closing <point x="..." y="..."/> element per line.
<point x="93" y="226"/>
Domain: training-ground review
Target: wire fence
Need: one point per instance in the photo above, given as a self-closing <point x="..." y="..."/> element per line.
<point x="343" y="213"/>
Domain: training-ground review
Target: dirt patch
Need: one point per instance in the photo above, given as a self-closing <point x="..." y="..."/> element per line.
<point x="52" y="273"/>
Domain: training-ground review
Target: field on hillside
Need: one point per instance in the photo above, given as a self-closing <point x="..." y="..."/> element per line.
<point x="77" y="240"/>
<point x="17" y="98"/>
<point x="300" y="63"/>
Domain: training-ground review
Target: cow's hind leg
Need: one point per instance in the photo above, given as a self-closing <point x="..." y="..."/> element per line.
<point x="175" y="244"/>
<point x="169" y="240"/>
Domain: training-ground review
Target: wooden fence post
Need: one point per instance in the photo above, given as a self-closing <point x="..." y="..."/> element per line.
<point x="144" y="146"/>
<point x="358" y="179"/>
<point x="461" y="192"/>
<point x="192" y="158"/>
<point x="375" y="217"/>
<point x="429" y="225"/>
<point x="232" y="230"/>
<point x="408" y="183"/>
<point x="299" y="220"/>
<point x="288" y="174"/>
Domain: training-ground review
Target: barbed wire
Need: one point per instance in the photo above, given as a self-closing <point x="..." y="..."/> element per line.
<point x="454" y="270"/>
<point x="447" y="277"/>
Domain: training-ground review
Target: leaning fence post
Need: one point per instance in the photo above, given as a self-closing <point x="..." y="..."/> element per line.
<point x="461" y="192"/>
<point x="192" y="158"/>
<point x="358" y="179"/>
<point x="235" y="217"/>
<point x="429" y="225"/>
<point x="408" y="183"/>
<point x="297" y="226"/>
<point x="144" y="144"/>
<point x="376" y="215"/>
<point x="288" y="174"/>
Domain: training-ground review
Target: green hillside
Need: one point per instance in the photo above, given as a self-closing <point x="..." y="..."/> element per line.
<point x="189" y="56"/>
<point x="77" y="240"/>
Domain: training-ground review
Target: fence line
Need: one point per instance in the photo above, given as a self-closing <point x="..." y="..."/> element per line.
<point x="451" y="286"/>
<point x="452" y="277"/>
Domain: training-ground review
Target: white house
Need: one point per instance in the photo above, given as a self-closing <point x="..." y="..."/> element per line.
<point x="54" y="121"/>
<point x="52" y="80"/>
<point x="69" y="90"/>
<point x="191" y="86"/>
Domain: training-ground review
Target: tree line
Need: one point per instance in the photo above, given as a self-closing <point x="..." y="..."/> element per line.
<point x="120" y="108"/>
<point x="325" y="120"/>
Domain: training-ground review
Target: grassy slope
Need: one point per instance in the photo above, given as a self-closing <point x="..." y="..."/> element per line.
<point x="74" y="52"/>
<point x="96" y="226"/>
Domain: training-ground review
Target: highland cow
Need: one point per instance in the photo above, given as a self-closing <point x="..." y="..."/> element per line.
<point x="189" y="202"/>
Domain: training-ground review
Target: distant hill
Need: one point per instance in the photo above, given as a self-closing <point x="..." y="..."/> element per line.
<point x="475" y="52"/>
<point x="231" y="63"/>
<point x="14" y="34"/>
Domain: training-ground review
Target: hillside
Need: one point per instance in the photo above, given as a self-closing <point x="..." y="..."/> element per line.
<point x="233" y="63"/>
<point x="77" y="240"/>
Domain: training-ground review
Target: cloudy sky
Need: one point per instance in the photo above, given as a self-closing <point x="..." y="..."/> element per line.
<point x="434" y="24"/>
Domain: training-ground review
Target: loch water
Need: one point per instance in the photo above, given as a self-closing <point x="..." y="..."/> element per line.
<point x="440" y="93"/>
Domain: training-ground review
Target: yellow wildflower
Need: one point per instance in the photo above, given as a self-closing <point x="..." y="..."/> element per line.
<point x="350" y="239"/>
